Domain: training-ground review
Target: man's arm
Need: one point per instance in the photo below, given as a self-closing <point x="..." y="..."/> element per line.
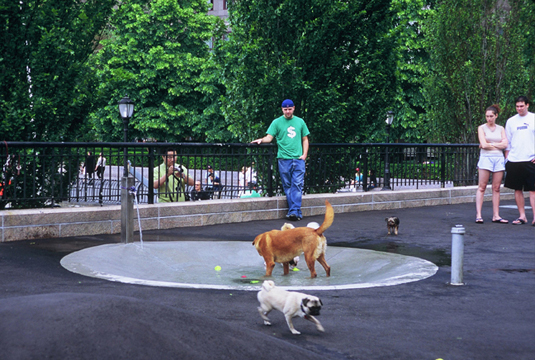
<point x="189" y="180"/>
<point x="305" y="148"/>
<point x="184" y="175"/>
<point x="159" y="182"/>
<point x="170" y="170"/>
<point x="266" y="139"/>
<point x="509" y="136"/>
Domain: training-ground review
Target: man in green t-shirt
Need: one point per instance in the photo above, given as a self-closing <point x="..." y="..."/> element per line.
<point x="170" y="179"/>
<point x="291" y="134"/>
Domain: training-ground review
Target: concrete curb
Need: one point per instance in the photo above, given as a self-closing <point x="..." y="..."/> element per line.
<point x="65" y="222"/>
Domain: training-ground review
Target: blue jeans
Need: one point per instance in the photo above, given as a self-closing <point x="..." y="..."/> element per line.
<point x="293" y="177"/>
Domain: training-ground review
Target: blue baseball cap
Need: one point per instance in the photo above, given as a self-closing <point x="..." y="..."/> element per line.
<point x="287" y="103"/>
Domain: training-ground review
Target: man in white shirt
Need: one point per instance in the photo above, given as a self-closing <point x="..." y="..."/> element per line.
<point x="520" y="157"/>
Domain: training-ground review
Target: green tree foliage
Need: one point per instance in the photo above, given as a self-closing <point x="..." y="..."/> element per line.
<point x="334" y="59"/>
<point x="157" y="54"/>
<point x="479" y="58"/>
<point x="411" y="124"/>
<point x="45" y="87"/>
<point x="527" y="21"/>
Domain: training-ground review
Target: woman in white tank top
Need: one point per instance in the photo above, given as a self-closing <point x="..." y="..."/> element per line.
<point x="492" y="142"/>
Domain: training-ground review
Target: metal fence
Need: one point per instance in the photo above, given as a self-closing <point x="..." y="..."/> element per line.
<point x="47" y="174"/>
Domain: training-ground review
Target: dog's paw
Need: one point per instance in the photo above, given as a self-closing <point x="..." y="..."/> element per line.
<point x="295" y="332"/>
<point x="267" y="323"/>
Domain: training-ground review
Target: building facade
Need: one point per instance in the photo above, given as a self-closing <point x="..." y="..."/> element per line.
<point x="218" y="8"/>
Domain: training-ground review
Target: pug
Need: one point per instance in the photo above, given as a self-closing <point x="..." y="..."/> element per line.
<point x="291" y="304"/>
<point x="392" y="224"/>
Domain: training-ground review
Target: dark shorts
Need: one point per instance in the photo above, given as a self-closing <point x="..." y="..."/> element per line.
<point x="520" y="175"/>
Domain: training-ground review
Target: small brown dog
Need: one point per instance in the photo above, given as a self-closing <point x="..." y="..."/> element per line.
<point x="392" y="224"/>
<point x="282" y="246"/>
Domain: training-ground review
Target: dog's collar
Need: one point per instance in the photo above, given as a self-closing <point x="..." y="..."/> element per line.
<point x="303" y="310"/>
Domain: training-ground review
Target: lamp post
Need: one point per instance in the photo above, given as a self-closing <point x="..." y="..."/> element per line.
<point x="126" y="109"/>
<point x="389" y="120"/>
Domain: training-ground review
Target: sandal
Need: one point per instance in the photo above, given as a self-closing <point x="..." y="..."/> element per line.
<point x="519" y="221"/>
<point x="479" y="220"/>
<point x="501" y="221"/>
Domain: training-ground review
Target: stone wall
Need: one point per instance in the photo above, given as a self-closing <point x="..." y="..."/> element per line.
<point x="65" y="222"/>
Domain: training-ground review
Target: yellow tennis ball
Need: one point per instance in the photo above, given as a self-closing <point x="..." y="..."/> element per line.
<point x="295" y="269"/>
<point x="217" y="268"/>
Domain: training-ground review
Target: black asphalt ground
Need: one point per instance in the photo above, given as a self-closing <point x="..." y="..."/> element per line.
<point x="47" y="312"/>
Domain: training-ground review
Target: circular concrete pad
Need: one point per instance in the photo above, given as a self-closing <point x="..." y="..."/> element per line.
<point x="191" y="264"/>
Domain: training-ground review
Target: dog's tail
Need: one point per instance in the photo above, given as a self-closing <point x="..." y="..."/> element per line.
<point x="329" y="216"/>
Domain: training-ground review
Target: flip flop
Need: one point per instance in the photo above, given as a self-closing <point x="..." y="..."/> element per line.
<point x="519" y="221"/>
<point x="501" y="221"/>
<point x="479" y="221"/>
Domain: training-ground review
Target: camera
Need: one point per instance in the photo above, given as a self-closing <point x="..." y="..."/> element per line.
<point x="178" y="169"/>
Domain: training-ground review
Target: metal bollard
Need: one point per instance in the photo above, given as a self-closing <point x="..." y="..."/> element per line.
<point x="127" y="210"/>
<point x="457" y="255"/>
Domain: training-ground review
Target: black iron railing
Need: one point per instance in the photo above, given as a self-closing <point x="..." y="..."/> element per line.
<point x="47" y="174"/>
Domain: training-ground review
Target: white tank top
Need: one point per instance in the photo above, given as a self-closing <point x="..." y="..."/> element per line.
<point x="492" y="137"/>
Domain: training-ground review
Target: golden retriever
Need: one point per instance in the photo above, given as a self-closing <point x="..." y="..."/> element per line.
<point x="282" y="246"/>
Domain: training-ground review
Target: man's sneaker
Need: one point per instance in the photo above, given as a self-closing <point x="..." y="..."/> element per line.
<point x="299" y="218"/>
<point x="292" y="217"/>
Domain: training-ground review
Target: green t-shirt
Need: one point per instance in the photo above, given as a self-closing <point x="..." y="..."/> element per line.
<point x="168" y="191"/>
<point x="289" y="134"/>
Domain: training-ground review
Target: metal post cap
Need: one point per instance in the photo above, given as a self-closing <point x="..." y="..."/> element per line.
<point x="458" y="229"/>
